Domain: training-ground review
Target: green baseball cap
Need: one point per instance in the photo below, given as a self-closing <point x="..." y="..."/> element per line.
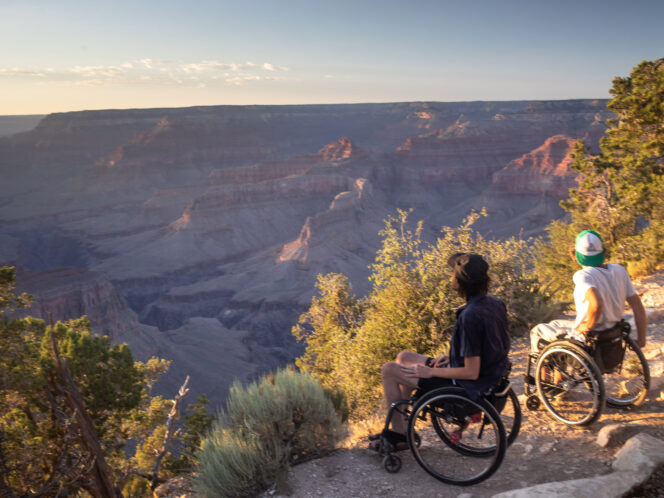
<point x="589" y="249"/>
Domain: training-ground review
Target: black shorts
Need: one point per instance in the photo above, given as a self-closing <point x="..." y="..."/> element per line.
<point x="426" y="385"/>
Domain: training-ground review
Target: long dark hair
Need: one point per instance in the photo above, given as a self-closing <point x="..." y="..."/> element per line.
<point x="470" y="289"/>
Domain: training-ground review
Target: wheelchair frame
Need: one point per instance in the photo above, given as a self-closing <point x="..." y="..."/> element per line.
<point x="566" y="355"/>
<point x="447" y="406"/>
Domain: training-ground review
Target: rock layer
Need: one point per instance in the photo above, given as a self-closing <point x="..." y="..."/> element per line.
<point x="229" y="213"/>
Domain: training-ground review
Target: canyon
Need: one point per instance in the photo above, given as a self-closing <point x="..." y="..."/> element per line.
<point x="197" y="234"/>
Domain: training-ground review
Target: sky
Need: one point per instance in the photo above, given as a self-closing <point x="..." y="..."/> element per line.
<point x="69" y="55"/>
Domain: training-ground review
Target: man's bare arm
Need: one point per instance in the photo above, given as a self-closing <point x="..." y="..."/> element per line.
<point x="595" y="306"/>
<point x="470" y="370"/>
<point x="640" y="318"/>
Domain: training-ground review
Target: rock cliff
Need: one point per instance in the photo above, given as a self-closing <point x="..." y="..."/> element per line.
<point x="221" y="217"/>
<point x="66" y="293"/>
<point x="543" y="171"/>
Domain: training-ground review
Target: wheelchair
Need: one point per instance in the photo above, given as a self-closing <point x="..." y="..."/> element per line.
<point x="455" y="439"/>
<point x="575" y="380"/>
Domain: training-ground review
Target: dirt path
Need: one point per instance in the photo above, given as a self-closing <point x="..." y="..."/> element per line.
<point x="545" y="451"/>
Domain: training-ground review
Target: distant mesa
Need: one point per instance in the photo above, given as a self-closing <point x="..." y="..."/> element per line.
<point x="323" y="226"/>
<point x="183" y="221"/>
<point x="342" y="149"/>
<point x="407" y="145"/>
<point x="544" y="171"/>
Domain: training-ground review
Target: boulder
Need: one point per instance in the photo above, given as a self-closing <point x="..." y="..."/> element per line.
<point x="633" y="464"/>
<point x="615" y="434"/>
<point x="642" y="453"/>
<point x="607" y="486"/>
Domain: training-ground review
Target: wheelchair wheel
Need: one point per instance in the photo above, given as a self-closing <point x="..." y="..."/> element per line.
<point x="392" y="463"/>
<point x="570" y="384"/>
<point x="462" y="441"/>
<point x="510" y="413"/>
<point x="628" y="384"/>
<point x="533" y="403"/>
<point x="511" y="416"/>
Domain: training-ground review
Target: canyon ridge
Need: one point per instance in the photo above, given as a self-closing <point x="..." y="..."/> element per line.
<point x="196" y="234"/>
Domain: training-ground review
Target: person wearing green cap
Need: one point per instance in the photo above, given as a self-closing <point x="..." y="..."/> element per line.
<point x="600" y="292"/>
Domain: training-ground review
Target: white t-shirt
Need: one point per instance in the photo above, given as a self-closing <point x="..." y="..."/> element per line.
<point x="614" y="287"/>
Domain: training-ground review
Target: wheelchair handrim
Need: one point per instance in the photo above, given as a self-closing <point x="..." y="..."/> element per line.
<point x="633" y="356"/>
<point x="494" y="426"/>
<point x="592" y="376"/>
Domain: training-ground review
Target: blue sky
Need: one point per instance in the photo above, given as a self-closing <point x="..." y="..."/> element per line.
<point x="70" y="55"/>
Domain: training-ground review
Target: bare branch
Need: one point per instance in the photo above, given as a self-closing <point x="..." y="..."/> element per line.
<point x="170" y="422"/>
<point x="146" y="475"/>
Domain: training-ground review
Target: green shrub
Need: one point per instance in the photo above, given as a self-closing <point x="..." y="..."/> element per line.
<point x="282" y="419"/>
<point x="411" y="306"/>
<point x="339" y="401"/>
<point x="620" y="190"/>
<point x="232" y="465"/>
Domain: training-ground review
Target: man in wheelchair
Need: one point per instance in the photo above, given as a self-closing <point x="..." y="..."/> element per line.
<point x="478" y="350"/>
<point x="576" y="367"/>
<point x="600" y="292"/>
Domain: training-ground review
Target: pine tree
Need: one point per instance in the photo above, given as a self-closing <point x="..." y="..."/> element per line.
<point x="621" y="190"/>
<point x="70" y="402"/>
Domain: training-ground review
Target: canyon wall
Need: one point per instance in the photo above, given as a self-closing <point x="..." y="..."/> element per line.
<point x="197" y="234"/>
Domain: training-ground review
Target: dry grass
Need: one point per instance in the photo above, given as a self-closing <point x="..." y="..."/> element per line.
<point x="360" y="430"/>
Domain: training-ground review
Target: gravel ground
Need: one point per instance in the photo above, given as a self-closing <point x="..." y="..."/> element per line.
<point x="545" y="451"/>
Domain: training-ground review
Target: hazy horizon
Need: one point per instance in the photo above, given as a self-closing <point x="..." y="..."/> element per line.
<point x="303" y="104"/>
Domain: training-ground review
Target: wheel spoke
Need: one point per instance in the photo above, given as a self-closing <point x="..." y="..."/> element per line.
<point x="462" y="442"/>
<point x="628" y="384"/>
<point x="576" y="396"/>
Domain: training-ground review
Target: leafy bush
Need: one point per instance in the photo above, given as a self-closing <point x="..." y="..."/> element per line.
<point x="620" y="192"/>
<point x="282" y="419"/>
<point x="411" y="306"/>
<point x="233" y="465"/>
<point x="42" y="446"/>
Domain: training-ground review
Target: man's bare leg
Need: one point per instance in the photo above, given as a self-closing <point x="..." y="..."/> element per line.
<point x="409" y="358"/>
<point x="397" y="386"/>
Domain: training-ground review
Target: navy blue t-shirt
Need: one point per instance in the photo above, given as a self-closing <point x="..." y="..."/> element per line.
<point x="481" y="330"/>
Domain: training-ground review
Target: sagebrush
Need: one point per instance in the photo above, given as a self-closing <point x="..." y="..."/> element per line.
<point x="266" y="426"/>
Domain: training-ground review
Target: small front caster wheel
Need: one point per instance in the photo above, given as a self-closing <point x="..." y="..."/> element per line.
<point x="532" y="403"/>
<point x="392" y="463"/>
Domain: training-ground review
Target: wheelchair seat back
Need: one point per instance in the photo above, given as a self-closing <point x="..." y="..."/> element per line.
<point x="607" y="347"/>
<point x="497" y="394"/>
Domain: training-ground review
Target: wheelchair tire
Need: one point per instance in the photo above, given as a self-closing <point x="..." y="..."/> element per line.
<point x="628" y="385"/>
<point x="577" y="398"/>
<point x="511" y="416"/>
<point x="392" y="463"/>
<point x="446" y="417"/>
<point x="533" y="403"/>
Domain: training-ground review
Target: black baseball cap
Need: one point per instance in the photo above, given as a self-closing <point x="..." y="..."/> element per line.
<point x="471" y="268"/>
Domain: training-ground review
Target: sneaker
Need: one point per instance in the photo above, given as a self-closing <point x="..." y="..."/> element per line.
<point x="475" y="418"/>
<point x="455" y="436"/>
